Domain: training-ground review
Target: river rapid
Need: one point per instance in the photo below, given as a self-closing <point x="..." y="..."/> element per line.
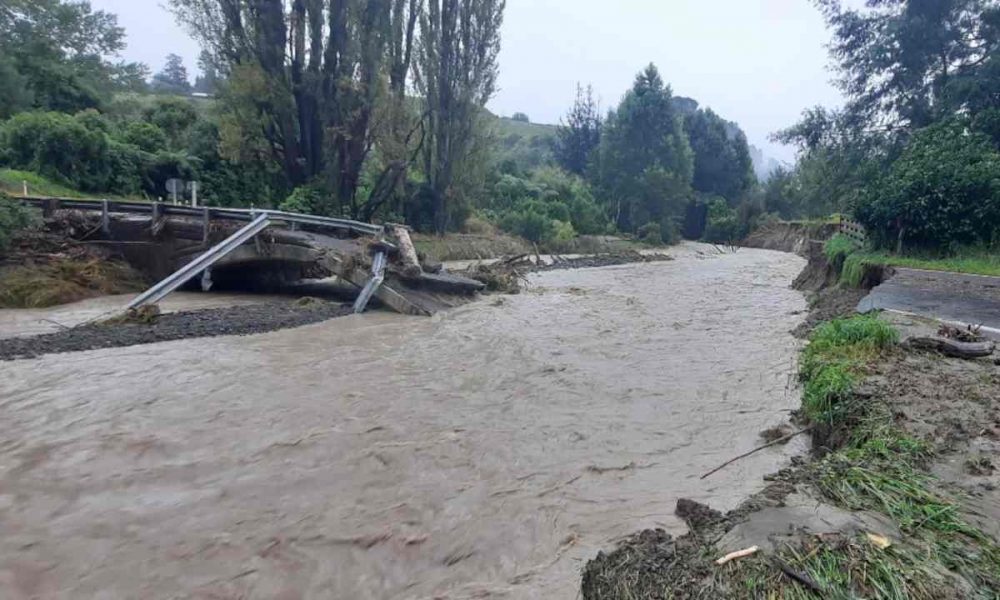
<point x="488" y="452"/>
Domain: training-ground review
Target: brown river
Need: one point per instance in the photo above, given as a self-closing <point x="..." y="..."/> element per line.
<point x="488" y="452"/>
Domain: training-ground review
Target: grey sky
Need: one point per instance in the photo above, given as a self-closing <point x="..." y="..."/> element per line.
<point x="756" y="62"/>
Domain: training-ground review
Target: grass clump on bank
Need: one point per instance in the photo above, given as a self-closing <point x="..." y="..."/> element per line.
<point x="834" y="362"/>
<point x="838" y="248"/>
<point x="856" y="263"/>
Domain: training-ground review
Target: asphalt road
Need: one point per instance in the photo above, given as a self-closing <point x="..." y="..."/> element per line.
<point x="972" y="299"/>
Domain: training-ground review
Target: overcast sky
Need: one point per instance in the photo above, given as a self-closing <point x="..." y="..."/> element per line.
<point x="756" y="62"/>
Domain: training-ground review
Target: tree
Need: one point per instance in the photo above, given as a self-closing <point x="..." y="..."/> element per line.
<point x="304" y="79"/>
<point x="942" y="192"/>
<point x="457" y="55"/>
<point x="173" y="79"/>
<point x="56" y="55"/>
<point x="208" y="81"/>
<point x="722" y="163"/>
<point x="905" y="64"/>
<point x="580" y="134"/>
<point x="521" y="117"/>
<point x="645" y="160"/>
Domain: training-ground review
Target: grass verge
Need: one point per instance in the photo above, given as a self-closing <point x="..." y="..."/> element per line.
<point x="12" y="182"/>
<point x="855" y="263"/>
<point x="879" y="468"/>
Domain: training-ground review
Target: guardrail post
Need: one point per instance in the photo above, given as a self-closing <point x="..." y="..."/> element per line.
<point x="206" y="224"/>
<point x="105" y="218"/>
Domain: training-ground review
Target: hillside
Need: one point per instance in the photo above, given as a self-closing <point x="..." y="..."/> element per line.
<point x="528" y="145"/>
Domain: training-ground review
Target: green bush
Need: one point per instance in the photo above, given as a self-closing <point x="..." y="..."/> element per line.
<point x="838" y="248"/>
<point x="13" y="217"/>
<point x="145" y="136"/>
<point x="943" y="191"/>
<point x="57" y="146"/>
<point x="532" y="225"/>
<point x="651" y="233"/>
<point x="306" y="200"/>
<point x="723" y="224"/>
<point x="518" y="205"/>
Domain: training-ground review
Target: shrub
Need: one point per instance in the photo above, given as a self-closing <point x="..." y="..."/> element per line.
<point x="57" y="146"/>
<point x="530" y="224"/>
<point x="13" y="217"/>
<point x="651" y="233"/>
<point x="563" y="232"/>
<point x="723" y="224"/>
<point x="305" y="199"/>
<point x="942" y="191"/>
<point x="128" y="167"/>
<point x="551" y="192"/>
<point x="145" y="136"/>
<point x="174" y="117"/>
<point x="838" y="248"/>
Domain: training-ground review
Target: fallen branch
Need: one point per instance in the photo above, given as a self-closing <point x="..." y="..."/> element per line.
<point x="735" y="555"/>
<point x="780" y="440"/>
<point x="794" y="575"/>
<point x="954" y="348"/>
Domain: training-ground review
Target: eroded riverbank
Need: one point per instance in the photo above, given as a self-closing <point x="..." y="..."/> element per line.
<point x="489" y="451"/>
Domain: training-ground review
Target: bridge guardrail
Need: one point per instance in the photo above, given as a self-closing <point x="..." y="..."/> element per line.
<point x="237" y="214"/>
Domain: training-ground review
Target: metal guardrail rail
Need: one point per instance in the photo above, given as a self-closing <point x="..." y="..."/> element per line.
<point x="200" y="264"/>
<point x="378" y="277"/>
<point x="234" y="214"/>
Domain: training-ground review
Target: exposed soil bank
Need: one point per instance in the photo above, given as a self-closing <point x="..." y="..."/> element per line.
<point x="236" y="320"/>
<point x="789" y="236"/>
<point x="899" y="501"/>
<point x="52" y="265"/>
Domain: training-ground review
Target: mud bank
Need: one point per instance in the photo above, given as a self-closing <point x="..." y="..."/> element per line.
<point x="52" y="265"/>
<point x="898" y="500"/>
<point x="236" y="320"/>
<point x="788" y="236"/>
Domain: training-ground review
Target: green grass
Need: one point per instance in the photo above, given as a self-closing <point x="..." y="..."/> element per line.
<point x="973" y="261"/>
<point x="844" y="568"/>
<point x="12" y="182"/>
<point x="835" y="360"/>
<point x="838" y="248"/>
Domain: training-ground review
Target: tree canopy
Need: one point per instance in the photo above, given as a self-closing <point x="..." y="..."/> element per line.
<point x="646" y="163"/>
<point x="59" y="55"/>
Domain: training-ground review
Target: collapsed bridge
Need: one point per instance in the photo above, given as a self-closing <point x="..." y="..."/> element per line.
<point x="177" y="245"/>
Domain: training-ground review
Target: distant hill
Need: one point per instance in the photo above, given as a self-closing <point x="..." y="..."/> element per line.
<point x="529" y="145"/>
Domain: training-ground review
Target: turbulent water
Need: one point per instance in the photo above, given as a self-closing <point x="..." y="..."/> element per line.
<point x="487" y="452"/>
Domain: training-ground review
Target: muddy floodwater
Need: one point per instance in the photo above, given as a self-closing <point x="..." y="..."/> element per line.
<point x="485" y="453"/>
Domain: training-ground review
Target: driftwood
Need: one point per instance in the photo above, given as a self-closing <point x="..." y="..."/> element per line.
<point x="796" y="576"/>
<point x="737" y="555"/>
<point x="780" y="440"/>
<point x="407" y="252"/>
<point x="950" y="347"/>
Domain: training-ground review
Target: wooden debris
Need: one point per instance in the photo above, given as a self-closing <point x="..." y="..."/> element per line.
<point x="737" y="555"/>
<point x="879" y="541"/>
<point x="780" y="440"/>
<point x="950" y="347"/>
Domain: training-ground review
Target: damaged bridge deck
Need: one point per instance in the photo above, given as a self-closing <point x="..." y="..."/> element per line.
<point x="260" y="248"/>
